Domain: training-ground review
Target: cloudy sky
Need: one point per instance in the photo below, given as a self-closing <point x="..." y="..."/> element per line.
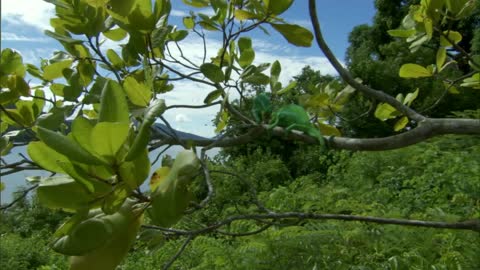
<point x="23" y="23"/>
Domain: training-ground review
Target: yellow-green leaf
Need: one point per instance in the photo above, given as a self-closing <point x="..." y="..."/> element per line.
<point x="401" y="124"/>
<point x="402" y="33"/>
<point x="410" y="97"/>
<point x="328" y="130"/>
<point x="414" y="71"/>
<point x="448" y="36"/>
<point x="115" y="59"/>
<point x="45" y="156"/>
<point x="116" y="34"/>
<point x="188" y="22"/>
<point x="242" y="15"/>
<point x="113" y="106"/>
<point x="441" y="57"/>
<point x="55" y="70"/>
<point x="385" y="111"/>
<point x="108" y="137"/>
<point x="67" y="147"/>
<point x="138" y="93"/>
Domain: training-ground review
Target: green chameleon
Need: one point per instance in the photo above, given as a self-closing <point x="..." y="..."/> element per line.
<point x="261" y="107"/>
<point x="294" y="117"/>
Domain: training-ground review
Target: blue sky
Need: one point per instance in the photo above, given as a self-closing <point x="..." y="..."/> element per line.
<point x="23" y="22"/>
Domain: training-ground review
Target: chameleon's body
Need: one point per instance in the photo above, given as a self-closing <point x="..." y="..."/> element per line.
<point x="294" y="117"/>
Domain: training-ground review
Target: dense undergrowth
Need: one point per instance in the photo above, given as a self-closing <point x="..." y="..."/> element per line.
<point x="438" y="180"/>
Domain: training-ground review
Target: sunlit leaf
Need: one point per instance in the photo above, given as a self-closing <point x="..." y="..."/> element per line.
<point x="402" y="33"/>
<point x="67" y="147"/>
<point x="448" y="36"/>
<point x="385" y="111"/>
<point x="113" y="106"/>
<point x="115" y="59"/>
<point x="108" y="137"/>
<point x="11" y="63"/>
<point x="116" y="34"/>
<point x="243" y="15"/>
<point x="414" y="71"/>
<point x="138" y="93"/>
<point x="401" y="123"/>
<point x="188" y="22"/>
<point x="55" y="70"/>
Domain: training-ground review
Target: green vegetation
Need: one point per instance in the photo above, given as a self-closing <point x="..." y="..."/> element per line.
<point x="273" y="198"/>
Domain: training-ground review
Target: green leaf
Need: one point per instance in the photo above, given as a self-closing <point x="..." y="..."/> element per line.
<point x="108" y="137"/>
<point x="11" y="63"/>
<point x="57" y="89"/>
<point x="473" y="82"/>
<point x="62" y="192"/>
<point x="141" y="140"/>
<point x="294" y="34"/>
<point x="2" y="186"/>
<point x="134" y="172"/>
<point x="114" y="200"/>
<point x="277" y="7"/>
<point x="138" y="93"/>
<point x="113" y="105"/>
<point x="188" y="22"/>
<point x="62" y="38"/>
<point x="55" y="70"/>
<point x="243" y="15"/>
<point x="17" y="84"/>
<point x="247" y="54"/>
<point x="196" y="3"/>
<point x="212" y="96"/>
<point x="82" y="132"/>
<point x="274" y="75"/>
<point x="212" y="72"/>
<point x="115" y="59"/>
<point x="402" y="33"/>
<point x="385" y="111"/>
<point x="410" y="97"/>
<point x="116" y="34"/>
<point x="86" y="71"/>
<point x="441" y="57"/>
<point x="67" y="147"/>
<point x="401" y="124"/>
<point x="51" y="120"/>
<point x="257" y="78"/>
<point x="453" y="36"/>
<point x="289" y="87"/>
<point x="178" y="35"/>
<point x="414" y="71"/>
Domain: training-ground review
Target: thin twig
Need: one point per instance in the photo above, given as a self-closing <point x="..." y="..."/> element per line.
<point x="21" y="197"/>
<point x="179" y="252"/>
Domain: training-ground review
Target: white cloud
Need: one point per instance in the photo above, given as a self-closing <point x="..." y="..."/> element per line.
<point x="8" y="36"/>
<point x="181" y="118"/>
<point x="35" y="13"/>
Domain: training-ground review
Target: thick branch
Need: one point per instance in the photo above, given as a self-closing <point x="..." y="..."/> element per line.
<point x="426" y="129"/>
